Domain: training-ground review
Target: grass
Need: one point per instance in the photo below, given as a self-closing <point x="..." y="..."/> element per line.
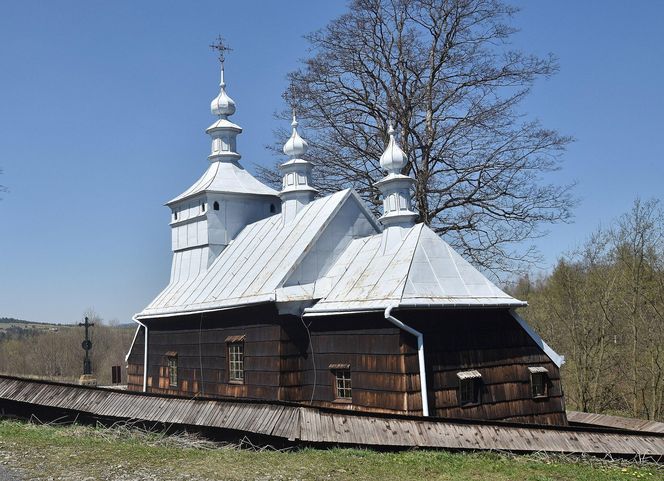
<point x="87" y="453"/>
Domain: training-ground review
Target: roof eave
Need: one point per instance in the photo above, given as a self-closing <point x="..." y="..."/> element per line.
<point x="225" y="192"/>
<point x="314" y="312"/>
<point x="186" y="312"/>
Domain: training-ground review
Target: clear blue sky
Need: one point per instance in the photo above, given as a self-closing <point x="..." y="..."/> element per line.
<point x="103" y="107"/>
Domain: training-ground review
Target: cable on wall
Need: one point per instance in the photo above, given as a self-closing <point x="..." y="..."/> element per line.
<point x="313" y="357"/>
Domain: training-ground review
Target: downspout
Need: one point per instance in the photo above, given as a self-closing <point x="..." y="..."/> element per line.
<point x="145" y="356"/>
<point x="420" y="355"/>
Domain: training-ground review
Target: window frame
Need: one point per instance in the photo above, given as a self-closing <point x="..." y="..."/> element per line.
<point x="235" y="365"/>
<point x="172" y="371"/>
<point x="469" y="386"/>
<point x="544" y="384"/>
<point x="342" y="383"/>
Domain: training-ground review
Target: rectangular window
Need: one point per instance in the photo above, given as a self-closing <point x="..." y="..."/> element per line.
<point x="116" y="375"/>
<point x="236" y="361"/>
<point x="342" y="384"/>
<point x="173" y="371"/>
<point x="539" y="381"/>
<point x="469" y="387"/>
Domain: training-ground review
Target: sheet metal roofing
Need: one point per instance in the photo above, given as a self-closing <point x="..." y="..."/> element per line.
<point x="226" y="177"/>
<point x="423" y="271"/>
<point x="371" y="273"/>
<point x="254" y="264"/>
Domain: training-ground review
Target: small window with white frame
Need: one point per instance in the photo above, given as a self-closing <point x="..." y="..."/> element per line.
<point x="235" y="359"/>
<point x="539" y="381"/>
<point x="469" y="392"/>
<point x="342" y="382"/>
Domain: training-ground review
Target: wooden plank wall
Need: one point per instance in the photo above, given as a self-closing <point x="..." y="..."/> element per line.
<point x="493" y="343"/>
<point x="279" y="363"/>
<point x="200" y="344"/>
<point x="371" y="346"/>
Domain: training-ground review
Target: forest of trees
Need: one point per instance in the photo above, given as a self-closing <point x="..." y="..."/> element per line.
<point x="56" y="353"/>
<point x="602" y="307"/>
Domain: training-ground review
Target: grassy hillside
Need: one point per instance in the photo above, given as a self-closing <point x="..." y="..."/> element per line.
<point x="76" y="452"/>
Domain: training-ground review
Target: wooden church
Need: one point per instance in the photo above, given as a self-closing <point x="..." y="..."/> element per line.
<point x="292" y="297"/>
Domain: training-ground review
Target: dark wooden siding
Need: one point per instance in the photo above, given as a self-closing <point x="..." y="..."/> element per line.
<point x="492" y="342"/>
<point x="368" y="343"/>
<point x="199" y="342"/>
<point x="280" y="363"/>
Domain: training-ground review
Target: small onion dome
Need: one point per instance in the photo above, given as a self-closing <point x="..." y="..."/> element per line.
<point x="296" y="145"/>
<point x="393" y="159"/>
<point x="222" y="105"/>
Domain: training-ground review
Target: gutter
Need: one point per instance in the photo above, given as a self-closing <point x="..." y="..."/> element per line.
<point x="420" y="355"/>
<point x="145" y="351"/>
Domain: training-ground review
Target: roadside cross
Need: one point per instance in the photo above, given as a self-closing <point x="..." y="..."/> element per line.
<point x="87" y="345"/>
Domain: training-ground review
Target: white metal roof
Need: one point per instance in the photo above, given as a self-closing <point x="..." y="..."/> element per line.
<point x="423" y="271"/>
<point x="254" y="265"/>
<point x="226" y="177"/>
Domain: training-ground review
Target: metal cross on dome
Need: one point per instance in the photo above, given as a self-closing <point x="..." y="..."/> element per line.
<point x="221" y="47"/>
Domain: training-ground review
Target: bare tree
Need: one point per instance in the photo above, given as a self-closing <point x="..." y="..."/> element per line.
<point x="442" y="72"/>
<point x="639" y="257"/>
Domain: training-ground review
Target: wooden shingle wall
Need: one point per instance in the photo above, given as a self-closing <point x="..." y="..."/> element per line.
<point x="283" y="363"/>
<point x="199" y="342"/>
<point x="370" y="346"/>
<point x="493" y="343"/>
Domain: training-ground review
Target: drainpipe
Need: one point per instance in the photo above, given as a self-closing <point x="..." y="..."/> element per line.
<point x="420" y="355"/>
<point x="145" y="356"/>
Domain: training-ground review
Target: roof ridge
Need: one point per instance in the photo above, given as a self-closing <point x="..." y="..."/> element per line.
<point x="319" y="232"/>
<point x="410" y="265"/>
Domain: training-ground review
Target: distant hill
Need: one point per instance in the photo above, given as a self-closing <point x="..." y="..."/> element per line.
<point x="11" y="320"/>
<point x="7" y="322"/>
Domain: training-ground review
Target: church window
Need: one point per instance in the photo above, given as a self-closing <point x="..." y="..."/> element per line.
<point x="273" y="208"/>
<point x="539" y="381"/>
<point x="342" y="382"/>
<point x="173" y="370"/>
<point x="236" y="361"/>
<point x="175" y="215"/>
<point x="215" y="206"/>
<point x="203" y="206"/>
<point x="468" y="393"/>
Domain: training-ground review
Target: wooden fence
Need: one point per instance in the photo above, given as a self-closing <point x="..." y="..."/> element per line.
<point x="293" y="423"/>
